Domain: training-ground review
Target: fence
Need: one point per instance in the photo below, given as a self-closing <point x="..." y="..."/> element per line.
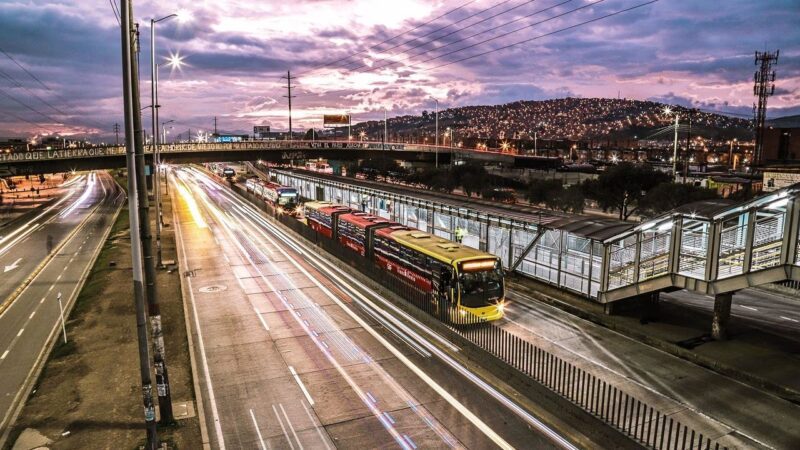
<point x="637" y="420"/>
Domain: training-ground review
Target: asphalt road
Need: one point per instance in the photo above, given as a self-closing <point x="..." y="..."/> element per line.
<point x="287" y="360"/>
<point x="771" y="312"/>
<point x="23" y="243"/>
<point x="29" y="322"/>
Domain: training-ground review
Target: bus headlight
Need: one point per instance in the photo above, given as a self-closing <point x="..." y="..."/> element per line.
<point x="501" y="307"/>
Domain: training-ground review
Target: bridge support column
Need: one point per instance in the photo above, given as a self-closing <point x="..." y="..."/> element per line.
<point x="722" y="315"/>
<point x="651" y="306"/>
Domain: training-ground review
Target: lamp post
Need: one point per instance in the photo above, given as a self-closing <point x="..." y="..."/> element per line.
<point x="154" y="123"/>
<point x="164" y="131"/>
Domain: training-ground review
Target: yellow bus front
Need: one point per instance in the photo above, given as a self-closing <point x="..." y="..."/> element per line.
<point x="480" y="287"/>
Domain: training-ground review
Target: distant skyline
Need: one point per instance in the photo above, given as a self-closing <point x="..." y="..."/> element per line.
<point x="693" y="53"/>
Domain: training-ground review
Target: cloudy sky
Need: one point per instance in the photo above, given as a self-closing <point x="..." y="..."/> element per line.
<point x="367" y="56"/>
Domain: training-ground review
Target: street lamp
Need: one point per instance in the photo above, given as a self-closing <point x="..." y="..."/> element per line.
<point x="154" y="123"/>
<point x="164" y="131"/>
<point x="362" y="134"/>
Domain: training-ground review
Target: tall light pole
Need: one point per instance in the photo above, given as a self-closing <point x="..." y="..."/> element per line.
<point x="674" y="147"/>
<point x="154" y="315"/>
<point x="154" y="123"/>
<point x="437" y="131"/>
<point x="128" y="75"/>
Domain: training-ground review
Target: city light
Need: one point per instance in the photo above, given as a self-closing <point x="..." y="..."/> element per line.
<point x="175" y="62"/>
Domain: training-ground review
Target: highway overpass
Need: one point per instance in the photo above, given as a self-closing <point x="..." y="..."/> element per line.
<point x="110" y="157"/>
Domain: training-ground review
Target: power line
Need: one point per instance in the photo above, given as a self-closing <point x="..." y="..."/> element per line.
<point x="482" y="32"/>
<point x="525" y="41"/>
<point x="25" y="105"/>
<point x="25" y="120"/>
<point x="449" y="25"/>
<point x="34" y="77"/>
<point x="25" y="70"/>
<point x="389" y="39"/>
<point x="501" y="36"/>
<point x="508" y="33"/>
<point x="115" y="9"/>
<point x="16" y="83"/>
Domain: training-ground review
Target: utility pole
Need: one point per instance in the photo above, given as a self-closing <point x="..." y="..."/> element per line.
<point x="136" y="245"/>
<point x="215" y="124"/>
<point x="162" y="379"/>
<point x="116" y="133"/>
<point x="764" y="86"/>
<point x="289" y="79"/>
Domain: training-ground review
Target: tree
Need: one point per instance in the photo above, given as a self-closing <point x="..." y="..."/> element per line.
<point x="622" y="186"/>
<point x="572" y="199"/>
<point x="668" y="196"/>
<point x="543" y="191"/>
<point x="381" y="165"/>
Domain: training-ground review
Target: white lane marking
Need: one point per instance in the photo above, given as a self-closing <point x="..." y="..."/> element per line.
<point x="749" y="307"/>
<point x="302" y="386"/>
<point x="58" y="278"/>
<point x="51" y="288"/>
<point x="42" y="300"/>
<point x="32" y="314"/>
<point x="12" y="266"/>
<point x="5" y="353"/>
<point x="283" y="428"/>
<point x="789" y="319"/>
<point x="20" y="332"/>
<point x="291" y="427"/>
<point x="261" y="319"/>
<point x="316" y="425"/>
<point x="258" y="431"/>
<point x="209" y="386"/>
<point x="457" y="405"/>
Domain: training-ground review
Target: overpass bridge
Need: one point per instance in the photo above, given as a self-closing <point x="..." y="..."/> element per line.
<point x="713" y="247"/>
<point x="110" y="157"/>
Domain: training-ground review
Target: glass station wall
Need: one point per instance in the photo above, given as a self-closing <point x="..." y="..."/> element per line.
<point x="558" y="257"/>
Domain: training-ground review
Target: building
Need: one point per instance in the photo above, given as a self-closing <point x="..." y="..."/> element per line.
<point x="782" y="141"/>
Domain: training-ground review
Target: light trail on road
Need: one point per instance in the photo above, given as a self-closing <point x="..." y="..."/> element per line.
<point x="251" y="233"/>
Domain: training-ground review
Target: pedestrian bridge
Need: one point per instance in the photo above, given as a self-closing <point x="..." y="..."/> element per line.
<point x="109" y="157"/>
<point x="711" y="247"/>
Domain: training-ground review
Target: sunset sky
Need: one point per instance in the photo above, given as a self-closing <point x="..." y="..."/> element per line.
<point x="697" y="52"/>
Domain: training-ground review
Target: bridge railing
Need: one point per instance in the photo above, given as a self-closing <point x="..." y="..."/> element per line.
<point x="271" y="145"/>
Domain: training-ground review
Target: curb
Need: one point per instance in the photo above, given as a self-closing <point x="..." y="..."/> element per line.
<point x="783" y="392"/>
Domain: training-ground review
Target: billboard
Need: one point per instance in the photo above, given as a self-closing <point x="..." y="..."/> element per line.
<point x="335" y="120"/>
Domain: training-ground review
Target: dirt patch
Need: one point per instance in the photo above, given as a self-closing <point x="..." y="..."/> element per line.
<point x="88" y="395"/>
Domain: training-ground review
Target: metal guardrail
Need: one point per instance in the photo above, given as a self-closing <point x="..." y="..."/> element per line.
<point x="641" y="422"/>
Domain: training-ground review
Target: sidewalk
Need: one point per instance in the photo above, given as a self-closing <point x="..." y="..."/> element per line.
<point x="738" y="414"/>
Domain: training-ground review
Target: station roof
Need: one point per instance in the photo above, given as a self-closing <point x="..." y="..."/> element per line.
<point x="704" y="209"/>
<point x="599" y="228"/>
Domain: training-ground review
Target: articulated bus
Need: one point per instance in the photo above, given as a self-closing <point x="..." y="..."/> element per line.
<point x="285" y="199"/>
<point x="465" y="277"/>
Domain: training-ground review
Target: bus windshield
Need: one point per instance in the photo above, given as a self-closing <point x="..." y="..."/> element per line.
<point x="287" y="198"/>
<point x="481" y="288"/>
